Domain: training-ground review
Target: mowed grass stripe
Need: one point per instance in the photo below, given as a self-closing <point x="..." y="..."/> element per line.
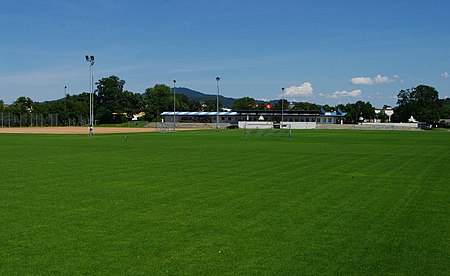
<point x="206" y="202"/>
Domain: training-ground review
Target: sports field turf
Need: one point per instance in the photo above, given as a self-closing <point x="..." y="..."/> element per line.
<point x="202" y="202"/>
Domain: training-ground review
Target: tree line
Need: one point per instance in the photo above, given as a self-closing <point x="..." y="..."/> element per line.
<point x="113" y="104"/>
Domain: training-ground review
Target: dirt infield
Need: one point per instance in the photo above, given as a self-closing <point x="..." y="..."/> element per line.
<point x="76" y="130"/>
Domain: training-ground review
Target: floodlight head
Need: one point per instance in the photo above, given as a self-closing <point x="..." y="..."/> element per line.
<point x="65" y="86"/>
<point x="282" y="89"/>
<point x="90" y="59"/>
<point x="217" y="79"/>
<point x="174" y="81"/>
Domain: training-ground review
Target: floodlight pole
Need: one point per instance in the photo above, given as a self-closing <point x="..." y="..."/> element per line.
<point x="174" y="81"/>
<point x="282" y="107"/>
<point x="91" y="61"/>
<point x="65" y="100"/>
<point x="217" y="107"/>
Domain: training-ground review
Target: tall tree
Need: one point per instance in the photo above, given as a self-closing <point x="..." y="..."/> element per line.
<point x="328" y="108"/>
<point x="421" y="102"/>
<point x="183" y="103"/>
<point x="244" y="103"/>
<point x="382" y="116"/>
<point x="158" y="99"/>
<point x="306" y="106"/>
<point x="2" y="105"/>
<point x="109" y="99"/>
<point x="340" y="107"/>
<point x="358" y="110"/>
<point x="21" y="105"/>
<point x="115" y="104"/>
<point x="445" y="108"/>
<point x="211" y="105"/>
<point x="281" y="104"/>
<point x="132" y="103"/>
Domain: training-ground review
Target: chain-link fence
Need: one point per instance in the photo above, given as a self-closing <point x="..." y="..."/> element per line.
<point x="8" y="119"/>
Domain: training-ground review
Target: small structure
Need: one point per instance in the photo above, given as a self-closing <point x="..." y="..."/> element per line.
<point x="136" y="117"/>
<point x="412" y="120"/>
<point x="389" y="111"/>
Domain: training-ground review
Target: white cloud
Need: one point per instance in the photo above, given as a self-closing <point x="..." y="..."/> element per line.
<point x="343" y="94"/>
<point x="362" y="80"/>
<point x="304" y="90"/>
<point x="378" y="79"/>
<point x="445" y="75"/>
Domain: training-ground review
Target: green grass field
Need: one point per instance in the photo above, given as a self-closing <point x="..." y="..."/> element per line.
<point x="201" y="202"/>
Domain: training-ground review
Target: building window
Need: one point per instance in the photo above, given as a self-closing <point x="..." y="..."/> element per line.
<point x="330" y="120"/>
<point x="307" y="119"/>
<point x="318" y="120"/>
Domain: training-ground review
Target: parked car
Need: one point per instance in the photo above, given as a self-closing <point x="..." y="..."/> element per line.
<point x="425" y="126"/>
<point x="233" y="126"/>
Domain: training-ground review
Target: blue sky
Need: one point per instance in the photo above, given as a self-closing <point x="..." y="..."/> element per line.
<point x="320" y="51"/>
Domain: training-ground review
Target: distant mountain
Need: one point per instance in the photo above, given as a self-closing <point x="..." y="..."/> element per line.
<point x="226" y="102"/>
<point x="201" y="97"/>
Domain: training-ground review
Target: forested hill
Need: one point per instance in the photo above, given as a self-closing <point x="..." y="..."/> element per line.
<point x="201" y="97"/>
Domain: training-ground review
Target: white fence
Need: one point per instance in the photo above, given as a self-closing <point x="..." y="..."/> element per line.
<point x="301" y="125"/>
<point x="393" y="125"/>
<point x="267" y="125"/>
<point x="255" y="125"/>
<point x="372" y="126"/>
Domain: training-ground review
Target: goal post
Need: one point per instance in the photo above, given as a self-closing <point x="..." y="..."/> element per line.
<point x="166" y="126"/>
<point x="266" y="129"/>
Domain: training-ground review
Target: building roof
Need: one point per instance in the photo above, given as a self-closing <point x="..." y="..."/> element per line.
<point x="200" y="113"/>
<point x="319" y="113"/>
